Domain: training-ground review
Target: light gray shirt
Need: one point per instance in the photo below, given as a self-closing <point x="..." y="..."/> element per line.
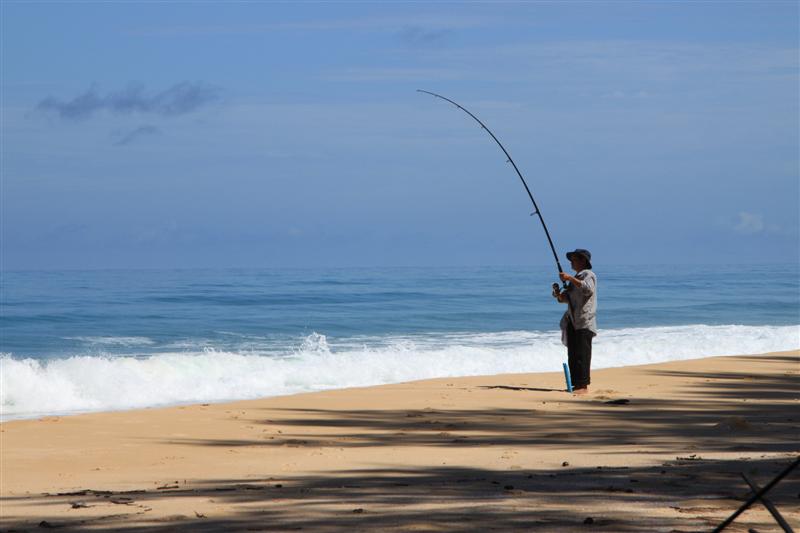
<point x="582" y="308"/>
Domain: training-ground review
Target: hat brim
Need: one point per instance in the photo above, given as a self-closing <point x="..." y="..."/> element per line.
<point x="588" y="261"/>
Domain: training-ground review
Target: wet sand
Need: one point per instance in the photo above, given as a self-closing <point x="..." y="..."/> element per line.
<point x="651" y="448"/>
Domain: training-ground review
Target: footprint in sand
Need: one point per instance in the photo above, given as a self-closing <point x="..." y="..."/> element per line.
<point x="604" y="394"/>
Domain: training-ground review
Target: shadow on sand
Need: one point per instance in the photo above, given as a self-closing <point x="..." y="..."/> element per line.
<point x="748" y="416"/>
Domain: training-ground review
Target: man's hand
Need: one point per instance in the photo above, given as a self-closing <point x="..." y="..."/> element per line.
<point x="572" y="279"/>
<point x="556" y="291"/>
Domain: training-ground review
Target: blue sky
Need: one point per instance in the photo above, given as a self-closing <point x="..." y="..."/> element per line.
<point x="203" y="134"/>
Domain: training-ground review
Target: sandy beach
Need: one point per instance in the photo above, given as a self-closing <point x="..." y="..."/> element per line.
<point x="651" y="448"/>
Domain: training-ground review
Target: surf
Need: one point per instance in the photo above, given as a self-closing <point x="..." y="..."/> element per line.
<point x="200" y="371"/>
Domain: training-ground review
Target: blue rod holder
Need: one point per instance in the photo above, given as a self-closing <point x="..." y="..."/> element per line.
<point x="567" y="377"/>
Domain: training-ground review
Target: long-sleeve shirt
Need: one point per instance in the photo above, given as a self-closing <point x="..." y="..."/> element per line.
<point x="582" y="308"/>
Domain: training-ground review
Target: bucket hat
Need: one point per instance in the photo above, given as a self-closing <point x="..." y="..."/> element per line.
<point x="586" y="254"/>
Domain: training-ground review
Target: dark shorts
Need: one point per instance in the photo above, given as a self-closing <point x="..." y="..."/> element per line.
<point x="579" y="354"/>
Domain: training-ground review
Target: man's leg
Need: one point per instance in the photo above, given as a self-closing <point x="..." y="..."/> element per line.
<point x="573" y="354"/>
<point x="582" y="356"/>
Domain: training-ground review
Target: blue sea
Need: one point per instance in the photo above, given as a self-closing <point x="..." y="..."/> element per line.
<point x="101" y="340"/>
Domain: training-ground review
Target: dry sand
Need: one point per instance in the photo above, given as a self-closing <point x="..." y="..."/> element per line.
<point x="651" y="448"/>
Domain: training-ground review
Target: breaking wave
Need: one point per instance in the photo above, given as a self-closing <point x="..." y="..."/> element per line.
<point x="82" y="382"/>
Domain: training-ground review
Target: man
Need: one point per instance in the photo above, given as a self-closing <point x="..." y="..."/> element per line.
<point x="578" y="325"/>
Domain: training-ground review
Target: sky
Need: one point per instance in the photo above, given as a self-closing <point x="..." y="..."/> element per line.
<point x="257" y="134"/>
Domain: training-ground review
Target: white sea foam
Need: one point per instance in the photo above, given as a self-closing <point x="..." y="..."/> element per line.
<point x="31" y="388"/>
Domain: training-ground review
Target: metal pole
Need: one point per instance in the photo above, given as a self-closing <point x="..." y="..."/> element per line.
<point x="770" y="507"/>
<point x="758" y="495"/>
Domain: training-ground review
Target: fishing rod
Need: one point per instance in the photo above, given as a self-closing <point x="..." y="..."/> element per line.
<point x="509" y="160"/>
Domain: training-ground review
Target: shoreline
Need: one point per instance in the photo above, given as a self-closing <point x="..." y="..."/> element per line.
<point x="225" y="401"/>
<point x="78" y="385"/>
<point x="664" y="441"/>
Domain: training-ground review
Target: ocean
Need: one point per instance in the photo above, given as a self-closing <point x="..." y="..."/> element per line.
<point x="103" y="340"/>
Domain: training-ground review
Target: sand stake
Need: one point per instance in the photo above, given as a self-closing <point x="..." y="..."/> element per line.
<point x="567" y="377"/>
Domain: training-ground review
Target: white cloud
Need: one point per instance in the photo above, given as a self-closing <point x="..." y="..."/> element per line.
<point x="627" y="94"/>
<point x="395" y="74"/>
<point x="751" y="224"/>
<point x="371" y="24"/>
<point x="624" y="61"/>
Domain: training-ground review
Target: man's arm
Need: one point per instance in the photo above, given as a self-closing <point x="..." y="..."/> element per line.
<point x="572" y="279"/>
<point x="586" y="285"/>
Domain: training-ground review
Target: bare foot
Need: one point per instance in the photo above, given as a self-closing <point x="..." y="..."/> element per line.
<point x="581" y="390"/>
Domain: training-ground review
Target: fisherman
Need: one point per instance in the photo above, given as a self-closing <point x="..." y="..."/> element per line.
<point x="579" y="325"/>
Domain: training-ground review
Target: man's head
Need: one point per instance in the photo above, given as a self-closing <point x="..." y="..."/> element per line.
<point x="580" y="259"/>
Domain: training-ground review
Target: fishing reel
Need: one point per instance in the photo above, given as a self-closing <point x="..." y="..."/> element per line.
<point x="558" y="288"/>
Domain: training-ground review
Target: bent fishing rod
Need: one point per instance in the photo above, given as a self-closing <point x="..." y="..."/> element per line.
<point x="536" y="210"/>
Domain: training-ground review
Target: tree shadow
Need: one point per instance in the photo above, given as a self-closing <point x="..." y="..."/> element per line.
<point x="689" y="495"/>
<point x="507" y="387"/>
<point x="749" y="420"/>
<point x="722" y="412"/>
